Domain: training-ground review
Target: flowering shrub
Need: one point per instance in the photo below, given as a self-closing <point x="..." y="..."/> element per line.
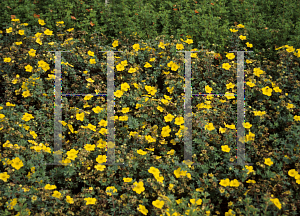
<point x="149" y="125"/>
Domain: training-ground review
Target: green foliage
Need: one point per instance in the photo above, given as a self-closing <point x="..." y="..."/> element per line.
<point x="207" y="27"/>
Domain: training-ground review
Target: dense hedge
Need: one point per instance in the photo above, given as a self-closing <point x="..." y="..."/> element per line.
<point x="269" y="23"/>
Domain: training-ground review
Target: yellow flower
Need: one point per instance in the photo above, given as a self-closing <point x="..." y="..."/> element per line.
<point x="89" y="147"/>
<point x="97" y="109"/>
<point x="141" y="152"/>
<point x="138" y="187"/>
<point x="69" y="200"/>
<point x="10" y="104"/>
<point x="56" y="194"/>
<point x="72" y="154"/>
<point x="136" y="47"/>
<point x="188" y="41"/>
<point x="268" y="161"/>
<point x="179" y="120"/>
<point x="222" y="130"/>
<point x="43" y="65"/>
<point x="103" y="131"/>
<point x="247" y="125"/>
<point x="92" y="61"/>
<point x="80" y="116"/>
<point x="7" y="59"/>
<point x="179" y="173"/>
<point x="297" y="118"/>
<point x="230" y="126"/>
<point x="38" y="40"/>
<point x="48" y="32"/>
<point x="101" y="159"/>
<point x="147" y="65"/>
<point x="103" y="123"/>
<point x="33" y="134"/>
<point x="208" y="89"/>
<point x="32" y="52"/>
<point x="234" y="183"/>
<point x="123" y="118"/>
<point x="289" y="106"/>
<point x="209" y="127"/>
<point x="250" y="84"/>
<point x="225" y="182"/>
<point x="99" y="167"/>
<point x="179" y="46"/>
<point x="115" y="43"/>
<point x="28" y="68"/>
<point x="169" y="118"/>
<point x="4" y="176"/>
<point x="41" y="22"/>
<point x="125" y="110"/>
<point x="13" y="203"/>
<point x="230" y="85"/>
<point x="18" y="43"/>
<point x="60" y="22"/>
<point x="225" y="148"/>
<point x="160" y="108"/>
<point x="158" y="204"/>
<point x="230" y="56"/>
<point x="174" y="67"/>
<point x="111" y="189"/>
<point x="90" y="80"/>
<point x="267" y="91"/>
<point x="90" y="53"/>
<point x="21" y="32"/>
<point x="150" y="90"/>
<point x="143" y="209"/>
<point x="198" y="202"/>
<point x="229" y="95"/>
<point x="90" y="201"/>
<point x="9" y="30"/>
<point x="118" y="93"/>
<point x="242" y="37"/>
<point x="292" y="173"/>
<point x="27" y="117"/>
<point x="258" y="72"/>
<point x="50" y="187"/>
<point x="88" y="97"/>
<point x="249" y="44"/>
<point x="124" y="87"/>
<point x="277" y="89"/>
<point x="127" y="179"/>
<point x="17" y="163"/>
<point x="226" y="66"/>
<point x="165" y="131"/>
<point x="26" y="94"/>
<point x="276" y="202"/>
<point x="150" y="139"/>
<point x="132" y="70"/>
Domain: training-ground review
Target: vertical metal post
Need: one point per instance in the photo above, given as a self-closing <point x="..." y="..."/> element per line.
<point x="57" y="111"/>
<point x="240" y="110"/>
<point x="110" y="110"/>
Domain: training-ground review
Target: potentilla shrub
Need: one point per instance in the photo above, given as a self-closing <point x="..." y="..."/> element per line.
<point x="149" y="145"/>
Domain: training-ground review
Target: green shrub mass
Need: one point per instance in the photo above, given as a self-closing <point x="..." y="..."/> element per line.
<point x="149" y="108"/>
